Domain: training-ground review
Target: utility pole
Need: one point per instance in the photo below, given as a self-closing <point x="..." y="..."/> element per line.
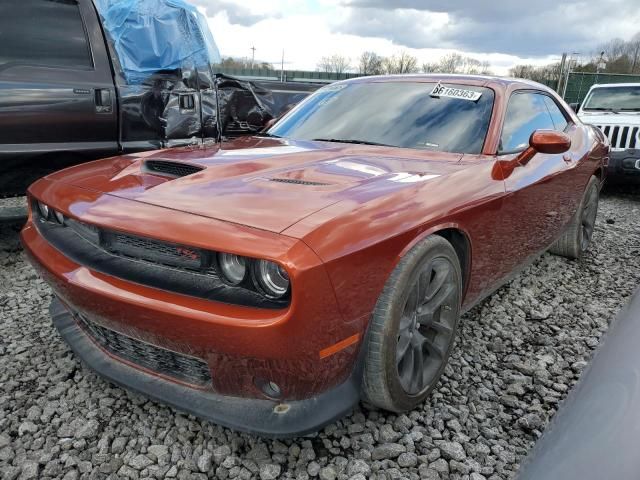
<point x="282" y="67"/>
<point x="601" y="63"/>
<point x="253" y="56"/>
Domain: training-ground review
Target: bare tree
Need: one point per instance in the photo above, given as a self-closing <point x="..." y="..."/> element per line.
<point x="334" y="64"/>
<point x="634" y="53"/>
<point x="400" y="63"/>
<point x="548" y="74"/>
<point x="370" y="63"/>
<point x="230" y="62"/>
<point x="456" y="63"/>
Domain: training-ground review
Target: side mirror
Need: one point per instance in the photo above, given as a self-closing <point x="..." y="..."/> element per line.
<point x="575" y="107"/>
<point x="550" y="141"/>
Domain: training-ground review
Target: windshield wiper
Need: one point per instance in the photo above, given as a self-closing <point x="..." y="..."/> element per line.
<point x="349" y="140"/>
<point x="267" y="134"/>
<point x="601" y="109"/>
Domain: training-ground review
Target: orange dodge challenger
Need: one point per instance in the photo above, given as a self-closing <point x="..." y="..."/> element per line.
<point x="270" y="282"/>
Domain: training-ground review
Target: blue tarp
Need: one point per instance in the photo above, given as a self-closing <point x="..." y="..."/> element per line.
<point x="154" y="35"/>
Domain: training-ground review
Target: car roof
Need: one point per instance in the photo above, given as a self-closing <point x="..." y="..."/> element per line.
<point x="491" y="81"/>
<point x="598" y="85"/>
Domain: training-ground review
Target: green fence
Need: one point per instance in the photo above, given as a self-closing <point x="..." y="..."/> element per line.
<point x="579" y="83"/>
<point x="577" y="86"/>
<point x="289" y="75"/>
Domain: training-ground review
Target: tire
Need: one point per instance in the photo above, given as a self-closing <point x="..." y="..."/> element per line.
<point x="578" y="234"/>
<point x="390" y="379"/>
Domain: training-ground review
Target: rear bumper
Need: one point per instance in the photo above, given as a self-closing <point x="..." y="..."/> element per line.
<point x="624" y="165"/>
<point x="262" y="417"/>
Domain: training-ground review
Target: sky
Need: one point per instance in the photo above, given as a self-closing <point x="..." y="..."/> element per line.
<point x="503" y="32"/>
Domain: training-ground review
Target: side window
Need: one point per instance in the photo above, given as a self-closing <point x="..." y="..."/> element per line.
<point x="43" y="32"/>
<point x="526" y="112"/>
<point x="559" y="120"/>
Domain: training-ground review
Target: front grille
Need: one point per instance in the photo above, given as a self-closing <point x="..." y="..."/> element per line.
<point x="171" y="169"/>
<point x="297" y="182"/>
<point x="172" y="364"/>
<point x="154" y="251"/>
<point x="168" y="266"/>
<point x="621" y="137"/>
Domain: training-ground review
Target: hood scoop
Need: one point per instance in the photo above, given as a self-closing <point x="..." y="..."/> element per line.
<point x="299" y="182"/>
<point x="169" y="168"/>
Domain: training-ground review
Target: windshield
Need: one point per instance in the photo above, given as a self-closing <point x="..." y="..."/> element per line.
<point x="399" y="114"/>
<point x="614" y="99"/>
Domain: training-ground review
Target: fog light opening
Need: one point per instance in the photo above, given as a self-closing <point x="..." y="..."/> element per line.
<point x="269" y="388"/>
<point x="281" y="408"/>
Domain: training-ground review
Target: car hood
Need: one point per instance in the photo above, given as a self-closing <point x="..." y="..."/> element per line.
<point x="610" y="118"/>
<point x="264" y="183"/>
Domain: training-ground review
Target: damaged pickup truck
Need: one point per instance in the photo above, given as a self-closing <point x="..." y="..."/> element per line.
<point x="83" y="79"/>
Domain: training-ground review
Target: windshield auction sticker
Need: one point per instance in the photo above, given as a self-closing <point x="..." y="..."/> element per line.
<point x="449" y="92"/>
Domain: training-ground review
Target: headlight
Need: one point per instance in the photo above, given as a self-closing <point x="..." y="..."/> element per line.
<point x="272" y="279"/>
<point x="233" y="267"/>
<point x="44" y="210"/>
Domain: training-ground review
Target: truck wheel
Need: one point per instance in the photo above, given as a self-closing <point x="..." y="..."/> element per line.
<point x="578" y="234"/>
<point x="413" y="327"/>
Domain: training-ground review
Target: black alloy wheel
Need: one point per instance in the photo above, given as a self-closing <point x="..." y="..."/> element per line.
<point x="413" y="326"/>
<point x="427" y="326"/>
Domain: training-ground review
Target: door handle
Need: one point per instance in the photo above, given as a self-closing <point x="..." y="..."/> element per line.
<point x="104" y="103"/>
<point x="187" y="101"/>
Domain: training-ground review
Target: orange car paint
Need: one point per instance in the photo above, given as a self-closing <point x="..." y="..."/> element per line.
<point x="339" y="242"/>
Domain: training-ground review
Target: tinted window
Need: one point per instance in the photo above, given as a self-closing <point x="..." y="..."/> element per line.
<point x="614" y="98"/>
<point x="400" y="114"/>
<point x="559" y="120"/>
<point x="526" y="113"/>
<point x="43" y="32"/>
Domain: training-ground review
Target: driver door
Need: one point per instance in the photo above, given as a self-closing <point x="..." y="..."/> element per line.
<point x="539" y="200"/>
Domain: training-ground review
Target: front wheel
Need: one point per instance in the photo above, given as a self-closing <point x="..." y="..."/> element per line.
<point x="413" y="327"/>
<point x="578" y="235"/>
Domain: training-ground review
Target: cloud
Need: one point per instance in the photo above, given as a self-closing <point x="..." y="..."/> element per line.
<point x="517" y="27"/>
<point x="237" y="14"/>
<point x="504" y="33"/>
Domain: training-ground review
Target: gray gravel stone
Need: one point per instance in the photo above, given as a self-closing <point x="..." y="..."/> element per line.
<point x="269" y="471"/>
<point x="452" y="450"/>
<point x="358" y="466"/>
<point x="388" y="450"/>
<point x="408" y="459"/>
<point x="205" y="461"/>
<point x="29" y="470"/>
<point x="477" y="476"/>
<point x="328" y="473"/>
<point x="88" y="430"/>
<point x="27" y="427"/>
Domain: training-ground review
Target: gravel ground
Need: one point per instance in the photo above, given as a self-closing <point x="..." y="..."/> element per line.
<point x="517" y="355"/>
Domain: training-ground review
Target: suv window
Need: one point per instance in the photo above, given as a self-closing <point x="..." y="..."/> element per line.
<point x="526" y="113"/>
<point x="43" y="32"/>
<point x="559" y="120"/>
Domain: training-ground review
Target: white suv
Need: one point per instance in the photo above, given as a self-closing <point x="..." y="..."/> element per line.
<point x="615" y="109"/>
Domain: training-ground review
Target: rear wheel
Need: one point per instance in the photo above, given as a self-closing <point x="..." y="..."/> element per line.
<point x="577" y="237"/>
<point x="413" y="327"/>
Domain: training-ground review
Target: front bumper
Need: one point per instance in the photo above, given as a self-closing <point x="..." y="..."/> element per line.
<point x="234" y="350"/>
<point x="262" y="417"/>
<point x="624" y="165"/>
